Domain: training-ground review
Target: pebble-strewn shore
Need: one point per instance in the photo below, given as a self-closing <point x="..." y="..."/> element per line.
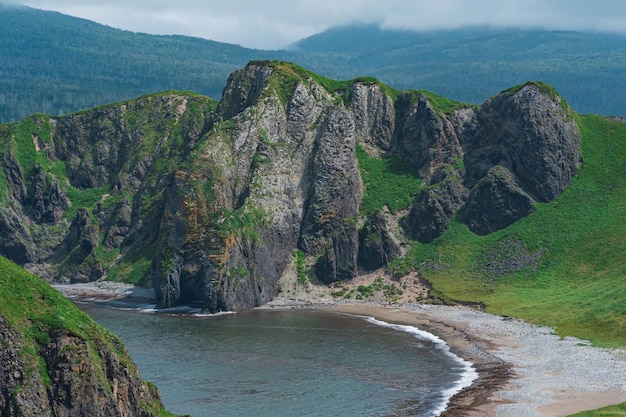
<point x="525" y="370"/>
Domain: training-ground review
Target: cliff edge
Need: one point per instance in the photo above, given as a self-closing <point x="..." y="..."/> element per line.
<point x="212" y="203"/>
<point x="54" y="360"/>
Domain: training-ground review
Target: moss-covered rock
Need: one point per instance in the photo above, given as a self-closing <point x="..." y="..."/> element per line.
<point x="207" y="201"/>
<point x="55" y="360"/>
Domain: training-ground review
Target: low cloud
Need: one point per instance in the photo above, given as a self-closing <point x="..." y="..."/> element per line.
<point x="274" y="24"/>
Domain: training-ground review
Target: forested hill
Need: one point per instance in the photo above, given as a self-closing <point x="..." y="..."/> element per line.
<point x="588" y="69"/>
<point x="56" y="64"/>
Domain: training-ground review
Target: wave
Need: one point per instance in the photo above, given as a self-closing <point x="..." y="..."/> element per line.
<point x="126" y="305"/>
<point x="468" y="376"/>
<point x="220" y="313"/>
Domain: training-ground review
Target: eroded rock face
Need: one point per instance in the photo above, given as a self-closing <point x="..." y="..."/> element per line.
<point x="531" y="134"/>
<point x="518" y="148"/>
<point x="208" y="201"/>
<point x="80" y="380"/>
<point x="334" y="198"/>
<point x="374" y="115"/>
<point x="435" y="206"/>
<point x="496" y="202"/>
<point x="16" y="243"/>
<point x="45" y="199"/>
<point x="284" y="176"/>
<point x="426" y="138"/>
<point x="377" y="247"/>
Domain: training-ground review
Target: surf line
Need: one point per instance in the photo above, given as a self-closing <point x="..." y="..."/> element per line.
<point x="468" y="375"/>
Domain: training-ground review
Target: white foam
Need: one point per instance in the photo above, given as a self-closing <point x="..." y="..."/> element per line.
<point x="469" y="373"/>
<point x="220" y="313"/>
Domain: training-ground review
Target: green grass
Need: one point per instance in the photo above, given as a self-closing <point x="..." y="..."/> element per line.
<point x="33" y="307"/>
<point x="301" y="271"/>
<point x="389" y="182"/>
<point x="612" y="411"/>
<point x="578" y="287"/>
<point x="26" y="301"/>
<point x="24" y="137"/>
<point x="289" y="74"/>
<point x="544" y="88"/>
<point x="86" y="198"/>
<point x="132" y="270"/>
<point x="20" y="138"/>
<point x="26" y="153"/>
<point x="441" y="105"/>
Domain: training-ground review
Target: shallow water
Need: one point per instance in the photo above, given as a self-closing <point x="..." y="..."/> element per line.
<point x="286" y="363"/>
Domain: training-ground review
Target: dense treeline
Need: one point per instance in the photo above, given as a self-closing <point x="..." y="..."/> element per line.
<point x="52" y="63"/>
<point x="470" y="64"/>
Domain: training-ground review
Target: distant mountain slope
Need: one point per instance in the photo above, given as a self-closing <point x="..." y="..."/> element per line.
<point x="56" y="64"/>
<point x="53" y="63"/>
<point x="588" y="69"/>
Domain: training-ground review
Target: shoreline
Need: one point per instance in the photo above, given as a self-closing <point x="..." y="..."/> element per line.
<point x="524" y="370"/>
<point x="493" y="373"/>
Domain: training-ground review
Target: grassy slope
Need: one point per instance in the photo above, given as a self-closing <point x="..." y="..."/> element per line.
<point x="32" y="306"/>
<point x="578" y="288"/>
<point x="388" y="182"/>
<point x="616" y="410"/>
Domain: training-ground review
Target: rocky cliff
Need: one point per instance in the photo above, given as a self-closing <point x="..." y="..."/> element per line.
<point x="210" y="202"/>
<point x="55" y="361"/>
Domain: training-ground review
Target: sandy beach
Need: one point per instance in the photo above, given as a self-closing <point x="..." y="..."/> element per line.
<point x="524" y="370"/>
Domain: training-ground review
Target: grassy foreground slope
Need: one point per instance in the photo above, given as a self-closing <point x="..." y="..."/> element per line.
<point x="614" y="410"/>
<point x="611" y="411"/>
<point x="40" y="314"/>
<point x="562" y="266"/>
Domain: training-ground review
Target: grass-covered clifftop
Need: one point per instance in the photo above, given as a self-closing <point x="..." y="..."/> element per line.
<point x="57" y="360"/>
<point x="563" y="265"/>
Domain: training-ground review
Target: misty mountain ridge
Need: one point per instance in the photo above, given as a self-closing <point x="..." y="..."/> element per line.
<point x="57" y="64"/>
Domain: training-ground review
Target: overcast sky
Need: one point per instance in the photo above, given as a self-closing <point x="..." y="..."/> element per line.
<point x="272" y="24"/>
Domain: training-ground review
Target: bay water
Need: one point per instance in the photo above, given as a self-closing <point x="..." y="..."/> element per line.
<point x="287" y="363"/>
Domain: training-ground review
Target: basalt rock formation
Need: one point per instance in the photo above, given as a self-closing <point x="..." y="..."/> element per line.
<point x="208" y="201"/>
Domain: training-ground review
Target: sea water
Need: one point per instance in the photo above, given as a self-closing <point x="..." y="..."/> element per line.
<point x="288" y="363"/>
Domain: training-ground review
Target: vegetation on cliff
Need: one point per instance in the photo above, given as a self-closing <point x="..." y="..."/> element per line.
<point x="514" y="204"/>
<point x="55" y="360"/>
<point x="562" y="265"/>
